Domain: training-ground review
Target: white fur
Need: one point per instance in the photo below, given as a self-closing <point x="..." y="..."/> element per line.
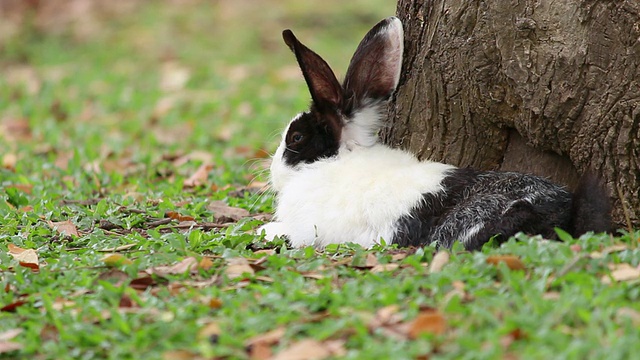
<point x="362" y="129"/>
<point x="357" y="196"/>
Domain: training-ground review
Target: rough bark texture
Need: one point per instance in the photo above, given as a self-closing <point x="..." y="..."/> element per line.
<point x="551" y="88"/>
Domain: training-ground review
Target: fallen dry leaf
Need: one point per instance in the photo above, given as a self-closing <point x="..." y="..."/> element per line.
<point x="608" y="250"/>
<point x="260" y="351"/>
<point x="439" y="261"/>
<point x="205" y="263"/>
<point x="384" y="267"/>
<point x="187" y="264"/>
<point x="16" y="129"/>
<point x="372" y="260"/>
<point x="511" y="337"/>
<point x="269" y="338"/>
<point x="13" y="306"/>
<point x="513" y="262"/>
<point x="173" y="76"/>
<point x="49" y="333"/>
<point x="629" y="313"/>
<point x="25" y="188"/>
<point x="64" y="227"/>
<point x="224" y="213"/>
<point x="457" y="291"/>
<point x="114" y="275"/>
<point x="307" y="349"/>
<point x="237" y="267"/>
<point x="26" y="257"/>
<point x="428" y="322"/>
<point x="385" y="316"/>
<point x="142" y="283"/>
<point x="10" y="334"/>
<point x="211" y="331"/>
<point x="6" y="345"/>
<point x="214" y="303"/>
<point x="199" y="177"/>
<point x="621" y="272"/>
<point x="177" y="216"/>
<point x="180" y="355"/>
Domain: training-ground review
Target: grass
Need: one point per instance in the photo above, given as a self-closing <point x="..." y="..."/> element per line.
<point x="101" y="135"/>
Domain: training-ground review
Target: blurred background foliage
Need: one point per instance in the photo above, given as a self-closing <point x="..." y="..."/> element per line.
<point x="134" y="80"/>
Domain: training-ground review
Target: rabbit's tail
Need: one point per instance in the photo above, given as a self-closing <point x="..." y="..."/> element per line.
<point x="591" y="208"/>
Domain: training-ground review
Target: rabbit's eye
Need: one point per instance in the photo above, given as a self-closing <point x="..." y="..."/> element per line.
<point x="296" y="137"/>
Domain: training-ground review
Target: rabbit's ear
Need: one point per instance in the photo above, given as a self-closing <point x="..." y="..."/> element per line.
<point x="374" y="70"/>
<point x="325" y="89"/>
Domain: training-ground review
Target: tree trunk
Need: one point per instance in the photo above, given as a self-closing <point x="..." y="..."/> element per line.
<point x="550" y="88"/>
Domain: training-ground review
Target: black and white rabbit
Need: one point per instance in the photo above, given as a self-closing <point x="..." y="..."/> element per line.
<point x="335" y="182"/>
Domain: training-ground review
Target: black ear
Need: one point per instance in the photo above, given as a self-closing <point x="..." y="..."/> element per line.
<point x="374" y="70"/>
<point x="325" y="89"/>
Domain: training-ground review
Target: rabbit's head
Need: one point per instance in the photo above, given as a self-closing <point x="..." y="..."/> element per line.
<point x="341" y="117"/>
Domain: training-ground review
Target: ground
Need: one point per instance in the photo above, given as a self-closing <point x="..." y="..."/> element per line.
<point x="133" y="149"/>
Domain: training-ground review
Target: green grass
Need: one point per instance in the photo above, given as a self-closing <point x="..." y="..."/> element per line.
<point x="89" y="134"/>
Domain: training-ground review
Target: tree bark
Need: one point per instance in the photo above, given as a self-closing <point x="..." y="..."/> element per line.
<point x="550" y="88"/>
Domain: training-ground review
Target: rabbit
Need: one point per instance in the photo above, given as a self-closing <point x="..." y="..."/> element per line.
<point x="335" y="182"/>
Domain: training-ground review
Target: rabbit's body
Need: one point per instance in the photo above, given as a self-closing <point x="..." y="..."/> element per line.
<point x="336" y="183"/>
<point x="378" y="186"/>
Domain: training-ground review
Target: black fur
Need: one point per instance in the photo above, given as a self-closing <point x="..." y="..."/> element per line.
<point x="310" y="137"/>
<point x="475" y="206"/>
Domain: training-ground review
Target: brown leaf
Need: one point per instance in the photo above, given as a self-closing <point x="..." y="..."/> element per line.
<point x="64" y="227"/>
<point x="187" y="264"/>
<point x="384" y="267"/>
<point x="205" y="263"/>
<point x="269" y="338"/>
<point x="49" y="333"/>
<point x="439" y="261"/>
<point x="513" y="262"/>
<point x="142" y="283"/>
<point x="214" y="303"/>
<point x="237" y="267"/>
<point x="10" y="334"/>
<point x="210" y="331"/>
<point x="511" y="337"/>
<point x="260" y="351"/>
<point x="25" y="188"/>
<point x="307" y="349"/>
<point x="126" y="302"/>
<point x="16" y="129"/>
<point x="608" y="250"/>
<point x="630" y="313"/>
<point x="114" y="275"/>
<point x="387" y="315"/>
<point x="26" y="257"/>
<point x="177" y="216"/>
<point x="223" y="212"/>
<point x="12" y="307"/>
<point x="199" y="177"/>
<point x="428" y="322"/>
<point x="458" y="291"/>
<point x="8" y="346"/>
<point x="61" y="304"/>
<point x="621" y="272"/>
<point x="180" y="355"/>
<point x="372" y="260"/>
